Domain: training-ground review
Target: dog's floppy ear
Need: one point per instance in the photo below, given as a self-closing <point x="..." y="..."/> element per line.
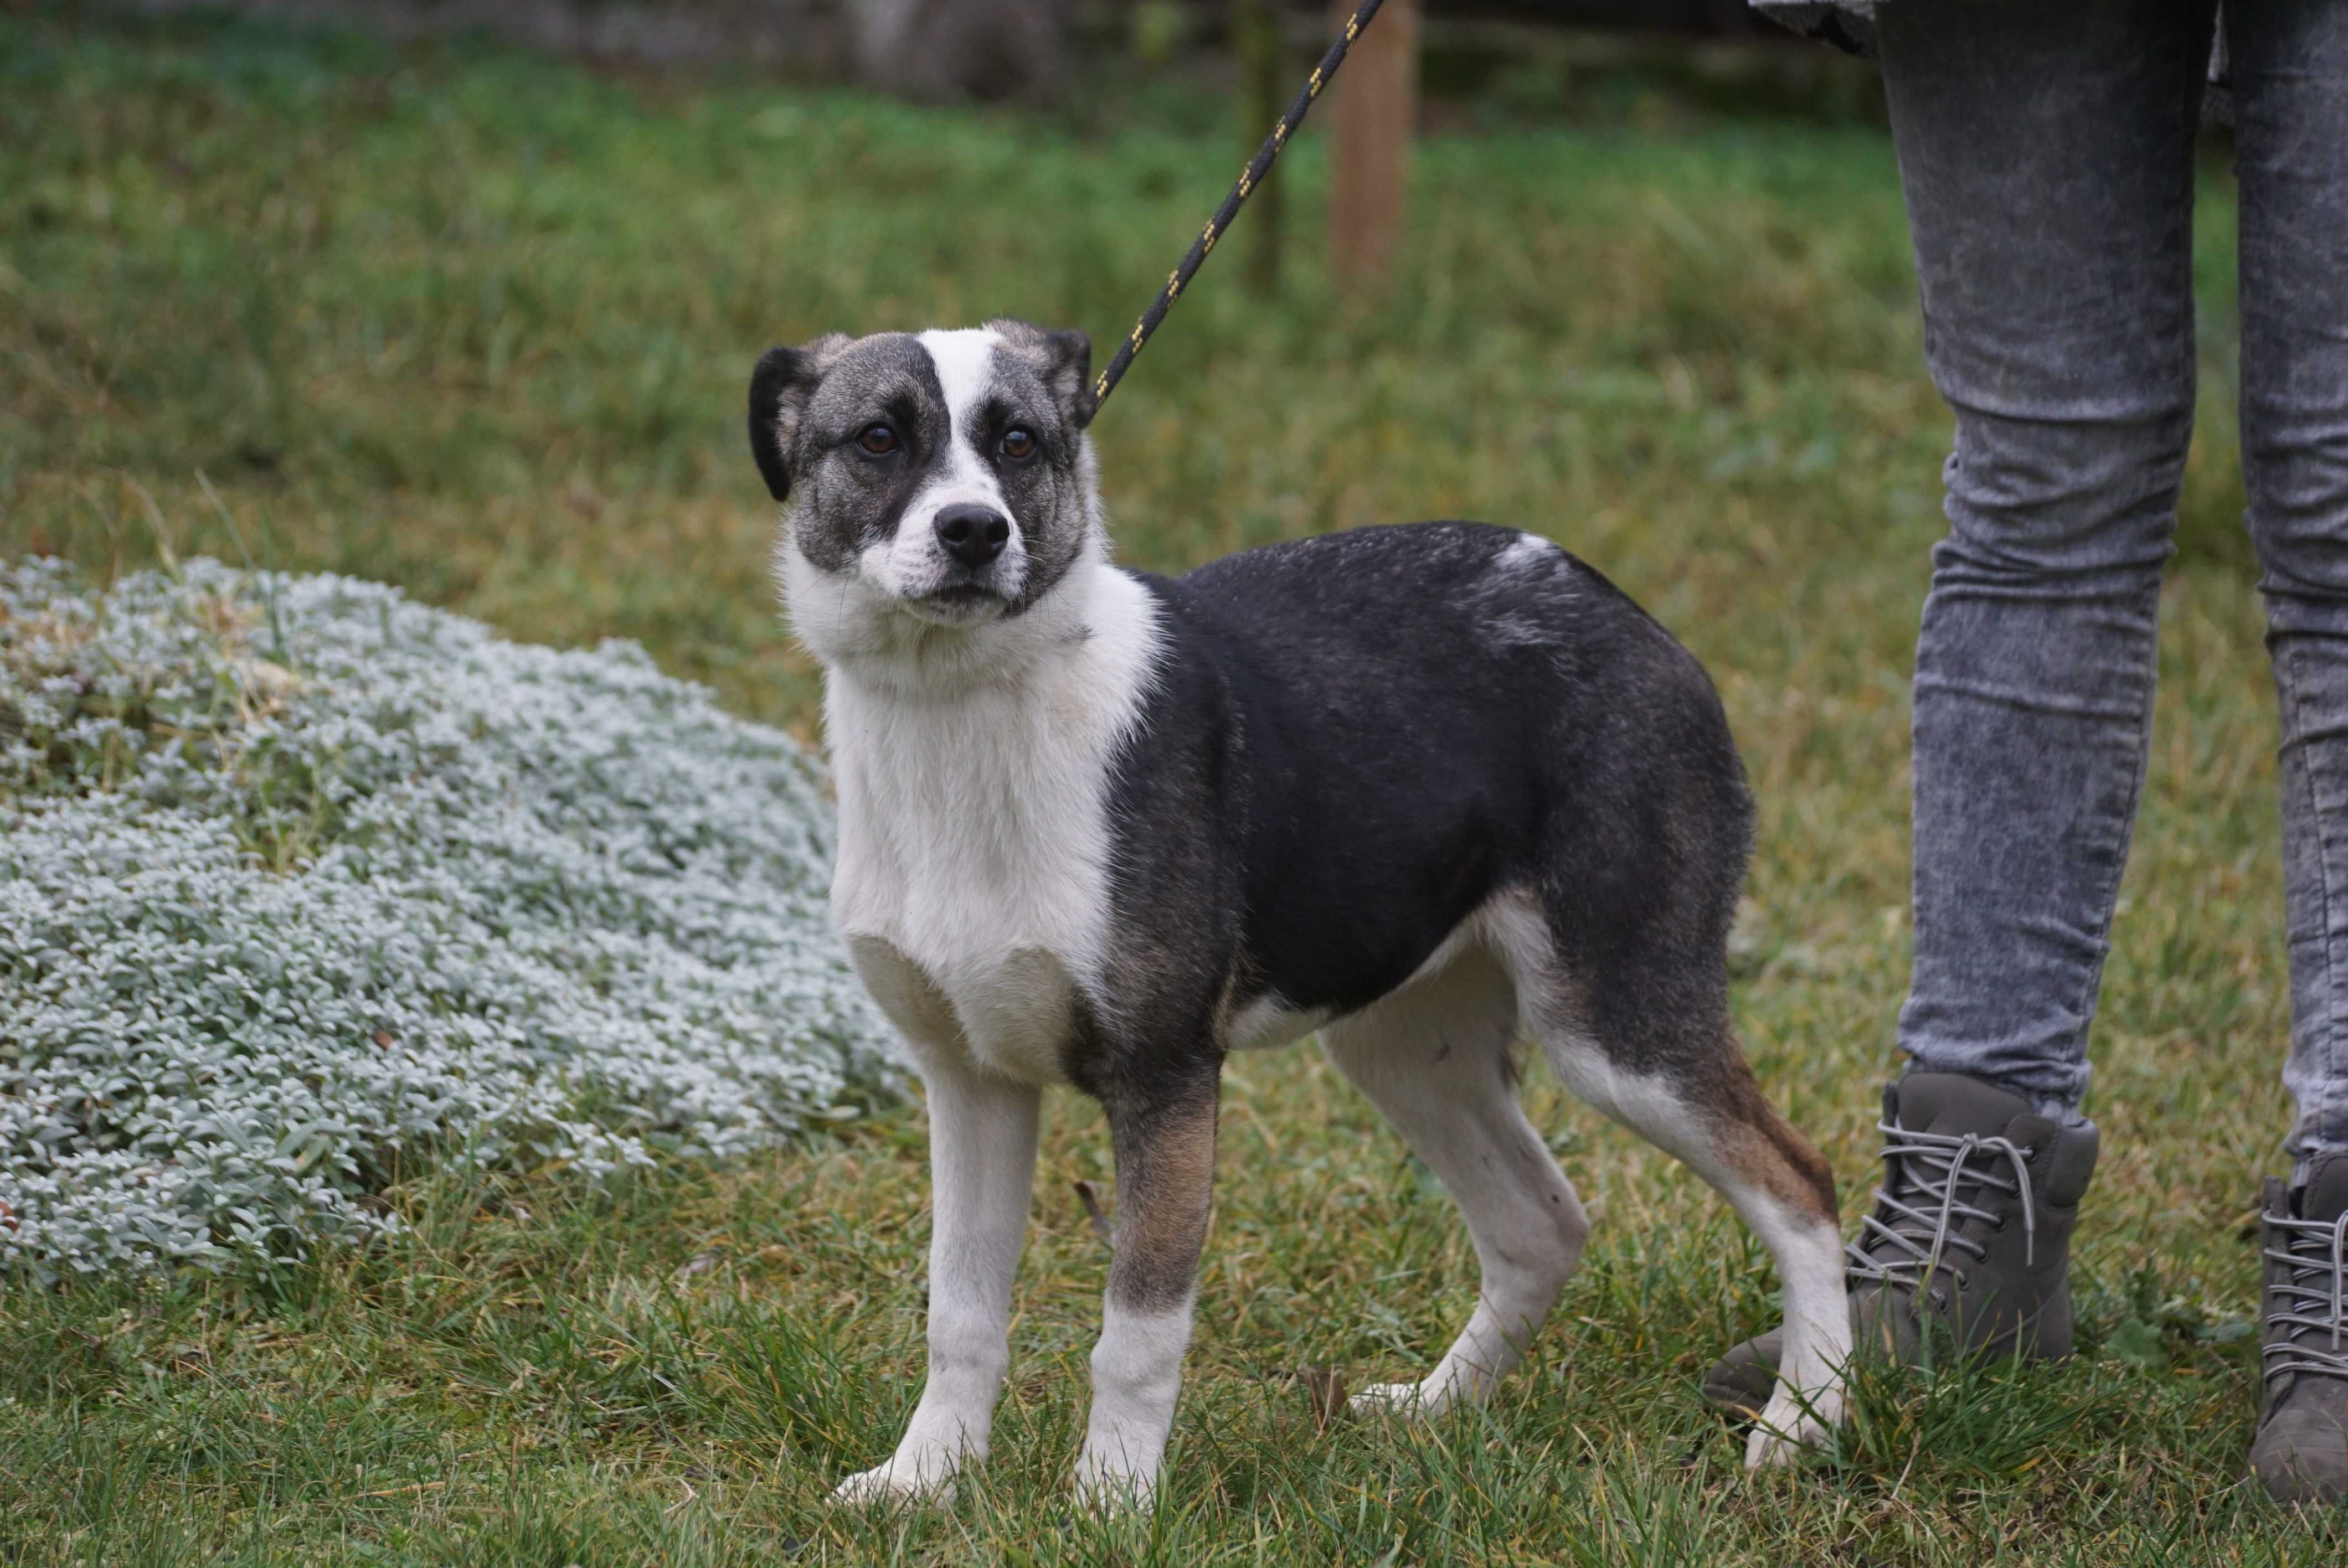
<point x="779" y="389"/>
<point x="1064" y="359"/>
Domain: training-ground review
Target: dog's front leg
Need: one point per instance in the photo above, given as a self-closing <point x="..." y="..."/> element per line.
<point x="982" y="1167"/>
<point x="1165" y="1147"/>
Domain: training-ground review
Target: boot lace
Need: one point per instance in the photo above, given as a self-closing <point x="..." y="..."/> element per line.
<point x="2314" y="1291"/>
<point x="1902" y="1244"/>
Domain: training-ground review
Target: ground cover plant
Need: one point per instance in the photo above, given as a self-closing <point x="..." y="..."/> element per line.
<point x="302" y="885"/>
<point x="477" y="325"/>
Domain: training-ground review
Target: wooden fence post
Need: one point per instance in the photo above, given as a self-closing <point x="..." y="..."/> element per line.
<point x="1376" y="106"/>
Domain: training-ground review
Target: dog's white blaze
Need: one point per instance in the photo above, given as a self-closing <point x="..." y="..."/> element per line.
<point x="964" y="358"/>
<point x="965" y="367"/>
<point x="974" y="824"/>
<point x="1137" y="1377"/>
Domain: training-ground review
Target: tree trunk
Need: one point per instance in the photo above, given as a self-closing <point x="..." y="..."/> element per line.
<point x="1376" y="108"/>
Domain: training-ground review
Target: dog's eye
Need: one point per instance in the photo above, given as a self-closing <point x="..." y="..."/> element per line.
<point x="1018" y="442"/>
<point x="877" y="439"/>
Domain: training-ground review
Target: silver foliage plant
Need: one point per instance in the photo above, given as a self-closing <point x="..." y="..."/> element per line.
<point x="304" y="885"/>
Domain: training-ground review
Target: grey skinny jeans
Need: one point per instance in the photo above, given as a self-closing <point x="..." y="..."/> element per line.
<point x="2046" y="153"/>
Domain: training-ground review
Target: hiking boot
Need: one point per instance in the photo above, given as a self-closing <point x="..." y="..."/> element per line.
<point x="2301" y="1449"/>
<point x="1969" y="1247"/>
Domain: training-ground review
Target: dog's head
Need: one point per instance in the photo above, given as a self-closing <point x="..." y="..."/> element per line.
<point x="933" y="484"/>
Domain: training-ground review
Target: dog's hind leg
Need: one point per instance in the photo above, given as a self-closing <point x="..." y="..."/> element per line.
<point x="1729" y="1133"/>
<point x="982" y="1161"/>
<point x="1649" y="1043"/>
<point x="1733" y="1138"/>
<point x="1434" y="1057"/>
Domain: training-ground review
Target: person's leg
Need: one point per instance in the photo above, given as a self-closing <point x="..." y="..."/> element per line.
<point x="2046" y="157"/>
<point x="2290" y="69"/>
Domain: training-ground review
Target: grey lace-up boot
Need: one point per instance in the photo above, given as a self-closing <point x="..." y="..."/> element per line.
<point x="1970" y="1242"/>
<point x="2301" y="1449"/>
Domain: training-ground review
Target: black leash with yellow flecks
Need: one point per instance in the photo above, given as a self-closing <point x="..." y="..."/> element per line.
<point x="1250" y="178"/>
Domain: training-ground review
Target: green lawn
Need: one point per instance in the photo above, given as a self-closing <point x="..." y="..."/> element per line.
<point x="479" y="324"/>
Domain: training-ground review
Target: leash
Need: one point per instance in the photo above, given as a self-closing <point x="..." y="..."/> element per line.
<point x="1250" y="178"/>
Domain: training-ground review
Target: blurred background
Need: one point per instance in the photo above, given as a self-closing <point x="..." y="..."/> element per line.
<point x="1043" y="50"/>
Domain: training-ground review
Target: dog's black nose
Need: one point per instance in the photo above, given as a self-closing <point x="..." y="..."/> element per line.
<point x="973" y="535"/>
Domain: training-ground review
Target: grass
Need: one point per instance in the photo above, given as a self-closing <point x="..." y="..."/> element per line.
<point x="478" y="323"/>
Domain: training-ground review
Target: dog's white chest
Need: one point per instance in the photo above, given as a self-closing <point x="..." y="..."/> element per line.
<point x="974" y="892"/>
<point x="974" y="881"/>
<point x="1015" y="1014"/>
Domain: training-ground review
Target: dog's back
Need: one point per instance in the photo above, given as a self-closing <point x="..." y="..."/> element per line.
<point x="1410" y="722"/>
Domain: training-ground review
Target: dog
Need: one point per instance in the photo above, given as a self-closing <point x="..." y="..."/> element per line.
<point x="1425" y="789"/>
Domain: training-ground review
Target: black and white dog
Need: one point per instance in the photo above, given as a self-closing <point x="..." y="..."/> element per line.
<point x="1425" y="789"/>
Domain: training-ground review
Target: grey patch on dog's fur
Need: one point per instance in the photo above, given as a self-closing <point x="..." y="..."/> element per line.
<point x="1061" y="359"/>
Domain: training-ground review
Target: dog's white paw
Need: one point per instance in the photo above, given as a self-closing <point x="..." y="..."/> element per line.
<point x="1786" y="1433"/>
<point x="1410" y="1401"/>
<point x="929" y="1476"/>
<point x="1104" y="1487"/>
